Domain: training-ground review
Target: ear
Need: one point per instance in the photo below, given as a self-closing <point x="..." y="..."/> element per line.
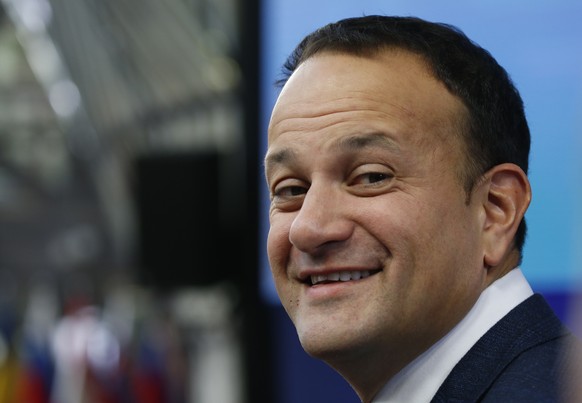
<point x="508" y="194"/>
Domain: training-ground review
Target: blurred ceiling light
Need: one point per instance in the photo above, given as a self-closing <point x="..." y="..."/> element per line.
<point x="43" y="58"/>
<point x="222" y="74"/>
<point x="35" y="15"/>
<point x="64" y="97"/>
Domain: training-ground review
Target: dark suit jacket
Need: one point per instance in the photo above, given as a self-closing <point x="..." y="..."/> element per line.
<point x="520" y="359"/>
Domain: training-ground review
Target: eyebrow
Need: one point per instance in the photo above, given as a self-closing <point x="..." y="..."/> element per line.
<point x="279" y="157"/>
<point x="356" y="142"/>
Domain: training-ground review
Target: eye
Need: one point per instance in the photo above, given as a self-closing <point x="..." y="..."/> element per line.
<point x="289" y="191"/>
<point x="372" y="178"/>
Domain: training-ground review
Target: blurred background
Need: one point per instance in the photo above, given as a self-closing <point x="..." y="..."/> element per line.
<point x="132" y="202"/>
<point x="128" y="188"/>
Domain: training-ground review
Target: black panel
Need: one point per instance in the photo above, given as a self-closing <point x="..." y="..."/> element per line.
<point x="180" y="220"/>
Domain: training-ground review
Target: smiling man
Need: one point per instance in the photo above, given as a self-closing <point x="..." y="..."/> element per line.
<point x="396" y="164"/>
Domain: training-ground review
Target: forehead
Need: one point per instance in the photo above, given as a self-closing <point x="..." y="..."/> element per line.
<point x="393" y="88"/>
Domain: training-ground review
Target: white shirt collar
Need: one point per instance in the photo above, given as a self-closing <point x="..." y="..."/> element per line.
<point x="420" y="380"/>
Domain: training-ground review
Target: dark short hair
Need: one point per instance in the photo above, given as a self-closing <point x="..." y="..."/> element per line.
<point x="495" y="130"/>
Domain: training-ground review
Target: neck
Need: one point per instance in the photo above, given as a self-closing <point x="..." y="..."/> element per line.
<point x="510" y="262"/>
<point x="366" y="381"/>
<point x="367" y="372"/>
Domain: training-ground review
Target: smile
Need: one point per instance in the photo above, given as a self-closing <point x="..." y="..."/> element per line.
<point x="341" y="276"/>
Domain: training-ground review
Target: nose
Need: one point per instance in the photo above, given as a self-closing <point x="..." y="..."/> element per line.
<point x="323" y="220"/>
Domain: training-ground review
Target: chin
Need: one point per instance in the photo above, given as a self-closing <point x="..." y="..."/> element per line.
<point x="323" y="351"/>
<point x="327" y="346"/>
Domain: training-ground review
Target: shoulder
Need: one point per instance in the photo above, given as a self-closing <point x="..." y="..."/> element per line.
<point x="538" y="374"/>
<point x="520" y="359"/>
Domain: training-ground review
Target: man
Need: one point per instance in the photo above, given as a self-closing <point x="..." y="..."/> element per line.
<point x="396" y="164"/>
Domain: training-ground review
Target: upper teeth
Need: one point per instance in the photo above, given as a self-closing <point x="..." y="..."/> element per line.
<point x="339" y="276"/>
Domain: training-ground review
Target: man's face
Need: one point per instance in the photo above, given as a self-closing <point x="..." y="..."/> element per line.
<point x="373" y="247"/>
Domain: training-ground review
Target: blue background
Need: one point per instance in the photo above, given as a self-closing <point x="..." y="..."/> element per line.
<point x="540" y="44"/>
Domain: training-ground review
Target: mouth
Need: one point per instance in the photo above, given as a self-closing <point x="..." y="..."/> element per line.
<point x="339" y="276"/>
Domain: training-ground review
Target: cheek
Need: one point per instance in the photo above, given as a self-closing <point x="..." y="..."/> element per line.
<point x="396" y="222"/>
<point x="443" y="243"/>
<point x="278" y="251"/>
<point x="278" y="245"/>
<point x="416" y="233"/>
